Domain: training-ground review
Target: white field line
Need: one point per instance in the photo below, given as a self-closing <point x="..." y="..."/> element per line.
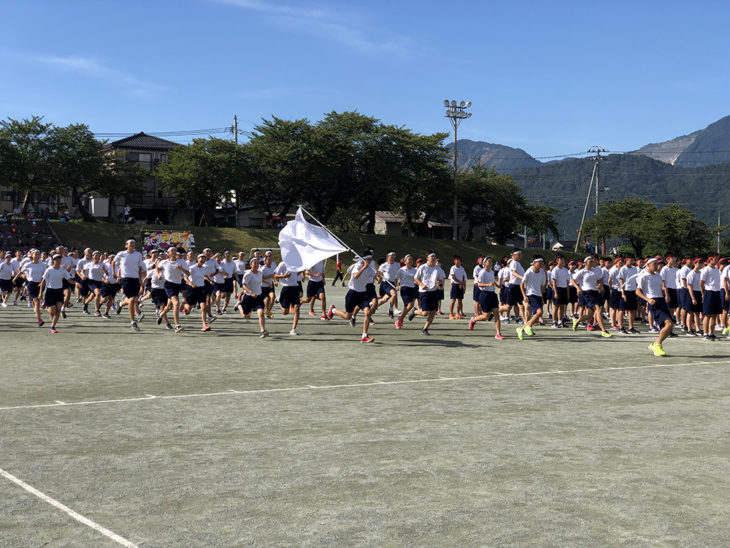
<point x="493" y="375"/>
<point x="75" y="515"/>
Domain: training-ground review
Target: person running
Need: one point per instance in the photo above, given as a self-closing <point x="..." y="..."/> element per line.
<point x="614" y="296"/>
<point x="669" y="283"/>
<point x="475" y="289"/>
<point x="33" y="273"/>
<point x="338" y="272"/>
<point x="487" y="298"/>
<point x="532" y="286"/>
<point x="514" y="293"/>
<point x="651" y="289"/>
<point x="388" y="272"/>
<point x="253" y="296"/>
<point x="8" y="272"/>
<point x="628" y="305"/>
<point x="82" y="287"/>
<point x="429" y="277"/>
<point x="361" y="274"/>
<point x="684" y="297"/>
<point x="560" y="280"/>
<point x="198" y="275"/>
<point x="710" y="285"/>
<point x="224" y="286"/>
<point x="173" y="270"/>
<point x="93" y="273"/>
<point x="457" y="277"/>
<point x="694" y="315"/>
<point x="53" y="279"/>
<point x="241" y="264"/>
<point x="128" y="270"/>
<point x="158" y="295"/>
<point x="588" y="282"/>
<point x="289" y="298"/>
<point x="268" y="284"/>
<point x="315" y="289"/>
<point x="408" y="291"/>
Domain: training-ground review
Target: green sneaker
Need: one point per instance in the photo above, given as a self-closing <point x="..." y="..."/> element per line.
<point x="657" y="349"/>
<point x="529" y="331"/>
<point x="576" y="321"/>
<point x="606" y="334"/>
<point x="725" y="331"/>
<point x="521" y="333"/>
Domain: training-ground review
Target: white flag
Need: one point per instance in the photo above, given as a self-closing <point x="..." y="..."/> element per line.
<point x="303" y="244"/>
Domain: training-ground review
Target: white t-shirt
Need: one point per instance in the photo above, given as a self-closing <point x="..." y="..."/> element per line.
<point x="669" y="276"/>
<point x="197" y="275"/>
<point x="515" y="266"/>
<point x="628" y="274"/>
<point x="252" y="280"/>
<point x="651" y="285"/>
<point x="240" y="266"/>
<point x="156" y="282"/>
<point x="7" y="270"/>
<point x="292" y="280"/>
<point x="170" y="271"/>
<point x="430" y="276"/>
<point x="711" y="277"/>
<point x="486" y="277"/>
<point x="54" y="277"/>
<point x="613" y="278"/>
<point x="227" y="268"/>
<point x="693" y="280"/>
<point x="367" y="277"/>
<point x="475" y="273"/>
<point x="268" y="272"/>
<point x="95" y="272"/>
<point x="561" y="276"/>
<point x="534" y="282"/>
<point x="34" y="271"/>
<point x="81" y="263"/>
<point x="682" y="275"/>
<point x="457" y="275"/>
<point x="316" y="272"/>
<point x="129" y="264"/>
<point x="389" y="272"/>
<point x="588" y="280"/>
<point x="405" y="276"/>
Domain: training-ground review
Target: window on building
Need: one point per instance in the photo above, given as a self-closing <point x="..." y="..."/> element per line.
<point x="145" y="160"/>
<point x="6" y="196"/>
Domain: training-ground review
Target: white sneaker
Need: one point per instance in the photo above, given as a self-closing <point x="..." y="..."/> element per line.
<point x="293" y="332"/>
<point x="4" y="305"/>
<point x="396" y="312"/>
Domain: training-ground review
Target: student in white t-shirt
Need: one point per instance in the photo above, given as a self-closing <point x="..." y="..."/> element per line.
<point x="269" y="283"/>
<point x="488" y="301"/>
<point x="532" y="285"/>
<point x="388" y="294"/>
<point x="315" y="289"/>
<point x="53" y="279"/>
<point x="173" y="270"/>
<point x="198" y="275"/>
<point x="475" y="290"/>
<point x="253" y="296"/>
<point x="128" y="269"/>
<point x="361" y="274"/>
<point x="289" y="298"/>
<point x="408" y="290"/>
<point x="429" y="277"/>
<point x="457" y="277"/>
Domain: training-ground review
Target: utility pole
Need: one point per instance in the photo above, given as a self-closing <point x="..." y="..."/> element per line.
<point x="456" y="113"/>
<point x="235" y="128"/>
<point x="596" y="151"/>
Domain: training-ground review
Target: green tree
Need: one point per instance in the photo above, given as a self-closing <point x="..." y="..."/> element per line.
<point x="205" y="174"/>
<point x="25" y="156"/>
<point x="631" y="220"/>
<point x="488" y="198"/>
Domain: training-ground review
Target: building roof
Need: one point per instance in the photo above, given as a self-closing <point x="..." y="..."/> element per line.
<point x="142" y="141"/>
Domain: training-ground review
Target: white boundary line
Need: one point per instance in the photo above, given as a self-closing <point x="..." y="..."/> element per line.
<point x="493" y="375"/>
<point x="75" y="515"/>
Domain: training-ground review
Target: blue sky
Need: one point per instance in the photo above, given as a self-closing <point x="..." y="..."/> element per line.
<point x="551" y="77"/>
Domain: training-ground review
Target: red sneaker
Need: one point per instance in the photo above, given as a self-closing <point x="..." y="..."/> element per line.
<point x="471" y="324"/>
<point x="312" y="313"/>
<point x="331" y="312"/>
<point x="205" y="328"/>
<point x="399" y="323"/>
<point x="367" y="339"/>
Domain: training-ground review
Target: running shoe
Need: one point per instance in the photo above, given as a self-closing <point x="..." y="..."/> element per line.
<point x="440" y="313"/>
<point x="178" y="328"/>
<point x="106" y="316"/>
<point x="63" y="313"/>
<point x="219" y="312"/>
<point x="312" y="313"/>
<point x="212" y="319"/>
<point x="324" y="317"/>
<point x="499" y="336"/>
<point x="86" y="310"/>
<point x="399" y="323"/>
<point x="352" y="322"/>
<point x="633" y="331"/>
<point x="159" y="321"/>
<point x="624" y="331"/>
<point x="330" y="312"/>
<point x="269" y="315"/>
<point x="425" y="332"/>
<point x="725" y="331"/>
<point x="264" y="334"/>
<point x="657" y="349"/>
<point x="471" y="324"/>
<point x="168" y="326"/>
<point x="293" y="332"/>
<point x="411" y="316"/>
<point x="40" y="323"/>
<point x="520" y="333"/>
<point x="118" y="309"/>
<point x="390" y="314"/>
<point x="606" y="334"/>
<point x="452" y="317"/>
<point x="372" y="320"/>
<point x="205" y="328"/>
<point x="53" y="330"/>
<point x="575" y="324"/>
<point x="396" y="311"/>
<point x="529" y="331"/>
<point x="589" y="327"/>
<point x="653" y="330"/>
<point x="97" y="314"/>
<point x="134" y="326"/>
<point x="367" y="339"/>
<point x="139" y="317"/>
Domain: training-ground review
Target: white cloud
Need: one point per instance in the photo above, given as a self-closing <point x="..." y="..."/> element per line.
<point x="94" y="69"/>
<point x="327" y="24"/>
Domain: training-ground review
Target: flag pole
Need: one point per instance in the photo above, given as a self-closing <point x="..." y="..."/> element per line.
<point x="329" y="231"/>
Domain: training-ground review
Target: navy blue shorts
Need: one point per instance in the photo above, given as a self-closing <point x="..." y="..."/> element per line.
<point x="6" y="286"/>
<point x="488" y="301"/>
<point x="68" y="284"/>
<point x="130" y="287"/>
<point x="440" y="294"/>
<point x="158" y="296"/>
<point x="475" y="293"/>
<point x="456" y="292"/>
<point x="148" y="284"/>
<point x="659" y="312"/>
<point x="225" y="287"/>
<point x="723" y="301"/>
<point x="711" y="304"/>
<point x="503" y="292"/>
<point x="561" y="297"/>
<point x="195" y="295"/>
<point x="408" y="294"/>
<point x="685" y="302"/>
<point x="18" y="282"/>
<point x="83" y="287"/>
<point x="615" y="299"/>
<point x="696" y="307"/>
<point x="572" y="294"/>
<point x="249" y="303"/>
<point x="581" y="299"/>
<point x="548" y="297"/>
<point x="370" y="292"/>
<point x="208" y="288"/>
<point x="386" y="288"/>
<point x="314" y="289"/>
<point x="172" y="289"/>
<point x="673" y="299"/>
<point x="33" y="289"/>
<point x="289" y="296"/>
<point x="356" y="299"/>
<point x="428" y="300"/>
<point x="93" y="285"/>
<point x="109" y="290"/>
<point x="592" y="298"/>
<point x="514" y="295"/>
<point x="630" y="303"/>
<point x="53" y="297"/>
<point x="535" y="303"/>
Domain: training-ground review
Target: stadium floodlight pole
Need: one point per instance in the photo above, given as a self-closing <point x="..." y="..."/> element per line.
<point x="456" y="113"/>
